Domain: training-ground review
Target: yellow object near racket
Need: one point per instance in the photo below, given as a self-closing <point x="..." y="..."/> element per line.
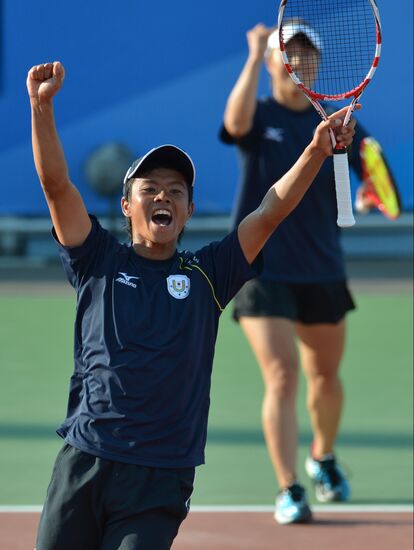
<point x="381" y="188"/>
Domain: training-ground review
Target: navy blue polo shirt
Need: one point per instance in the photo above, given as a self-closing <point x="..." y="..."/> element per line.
<point x="306" y="246"/>
<point x="145" y="333"/>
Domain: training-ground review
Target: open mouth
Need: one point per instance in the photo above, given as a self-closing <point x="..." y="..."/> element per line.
<point x="162" y="217"/>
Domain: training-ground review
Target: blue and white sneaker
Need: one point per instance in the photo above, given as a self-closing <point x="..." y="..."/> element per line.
<point x="291" y="506"/>
<point x="330" y="482"/>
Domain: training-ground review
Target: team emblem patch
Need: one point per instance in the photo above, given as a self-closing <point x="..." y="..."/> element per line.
<point x="178" y="286"/>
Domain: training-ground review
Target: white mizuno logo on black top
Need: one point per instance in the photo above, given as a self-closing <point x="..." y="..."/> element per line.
<point x="125" y="279"/>
<point x="274" y="134"/>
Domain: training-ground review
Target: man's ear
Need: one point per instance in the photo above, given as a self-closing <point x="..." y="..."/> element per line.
<point x="126" y="209"/>
<point x="191" y="208"/>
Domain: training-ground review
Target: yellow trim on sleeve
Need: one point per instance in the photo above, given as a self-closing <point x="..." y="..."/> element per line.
<point x="207" y="279"/>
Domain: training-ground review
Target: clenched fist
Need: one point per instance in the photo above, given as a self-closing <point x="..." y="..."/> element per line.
<point x="257" y="38"/>
<point x="44" y="81"/>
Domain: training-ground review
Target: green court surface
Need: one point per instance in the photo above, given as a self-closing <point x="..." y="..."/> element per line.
<point x="375" y="444"/>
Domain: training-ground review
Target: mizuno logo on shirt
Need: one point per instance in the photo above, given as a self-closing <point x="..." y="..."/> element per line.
<point x="275" y="134"/>
<point x="125" y="279"/>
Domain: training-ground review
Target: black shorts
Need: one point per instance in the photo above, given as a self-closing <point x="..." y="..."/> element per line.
<point x="97" y="504"/>
<point x="307" y="303"/>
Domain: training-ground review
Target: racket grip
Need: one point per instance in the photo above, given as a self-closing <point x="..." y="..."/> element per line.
<point x="343" y="189"/>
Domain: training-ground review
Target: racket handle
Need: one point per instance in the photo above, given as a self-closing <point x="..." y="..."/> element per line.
<point x="343" y="189"/>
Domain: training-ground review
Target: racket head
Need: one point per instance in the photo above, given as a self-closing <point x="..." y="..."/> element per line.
<point x="347" y="36"/>
<point x="381" y="188"/>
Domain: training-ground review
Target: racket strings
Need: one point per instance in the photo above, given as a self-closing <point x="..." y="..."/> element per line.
<point x="344" y="33"/>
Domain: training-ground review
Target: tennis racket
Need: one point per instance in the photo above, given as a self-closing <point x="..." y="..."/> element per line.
<point x="380" y="187"/>
<point x="347" y="37"/>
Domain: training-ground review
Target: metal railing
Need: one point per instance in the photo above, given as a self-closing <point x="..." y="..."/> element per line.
<point x="373" y="236"/>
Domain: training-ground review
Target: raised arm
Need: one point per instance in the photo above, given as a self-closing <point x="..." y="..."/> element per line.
<point x="241" y="104"/>
<point x="286" y="193"/>
<point x="68" y="212"/>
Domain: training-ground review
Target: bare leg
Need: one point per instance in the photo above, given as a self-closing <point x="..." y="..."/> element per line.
<point x="273" y="342"/>
<point x="321" y="348"/>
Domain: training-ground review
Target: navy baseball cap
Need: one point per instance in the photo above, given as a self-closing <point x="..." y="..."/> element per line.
<point x="164" y="156"/>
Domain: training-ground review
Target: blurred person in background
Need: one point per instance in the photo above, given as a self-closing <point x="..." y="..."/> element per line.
<point x="301" y="298"/>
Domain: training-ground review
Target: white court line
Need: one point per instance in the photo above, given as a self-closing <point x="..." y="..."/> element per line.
<point x="339" y="508"/>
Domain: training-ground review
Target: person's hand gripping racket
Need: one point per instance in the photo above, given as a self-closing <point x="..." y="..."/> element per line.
<point x="322" y="139"/>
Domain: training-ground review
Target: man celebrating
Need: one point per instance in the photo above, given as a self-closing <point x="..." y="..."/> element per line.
<point x="145" y="330"/>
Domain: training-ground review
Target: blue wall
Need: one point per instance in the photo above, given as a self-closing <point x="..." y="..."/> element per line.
<point x="145" y="73"/>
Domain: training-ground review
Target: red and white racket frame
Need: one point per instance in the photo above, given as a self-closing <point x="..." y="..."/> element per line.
<point x="341" y="168"/>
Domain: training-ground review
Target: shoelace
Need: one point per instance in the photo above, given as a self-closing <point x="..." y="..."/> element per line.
<point x="296" y="492"/>
<point x="328" y="472"/>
